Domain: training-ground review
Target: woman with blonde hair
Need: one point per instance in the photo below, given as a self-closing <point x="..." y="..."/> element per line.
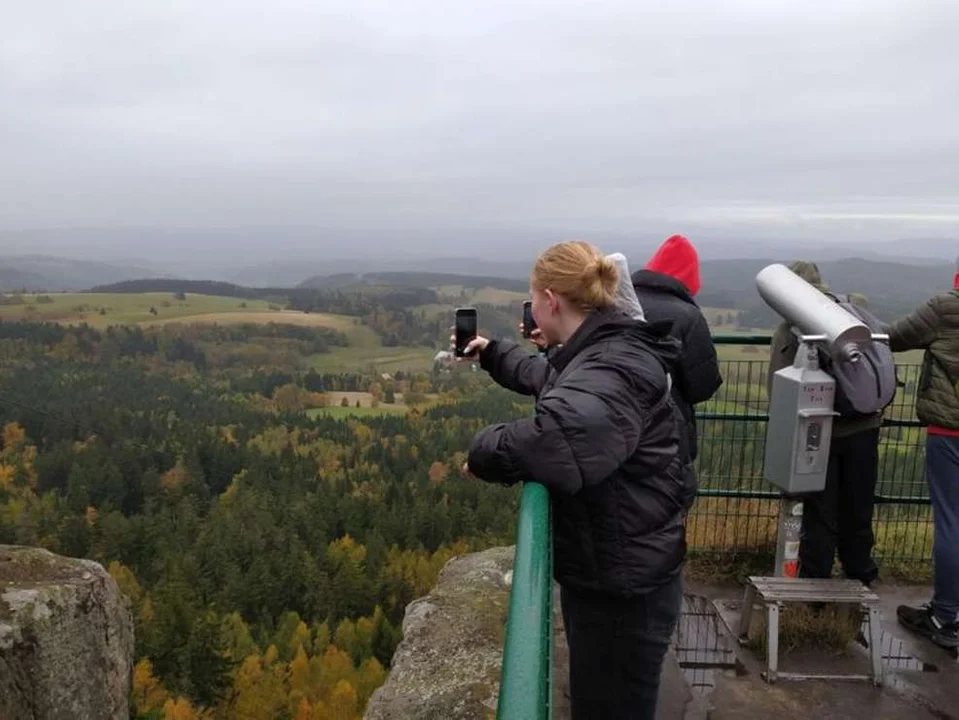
<point x="609" y="444"/>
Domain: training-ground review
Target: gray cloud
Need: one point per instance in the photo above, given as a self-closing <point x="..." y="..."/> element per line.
<point x="749" y="116"/>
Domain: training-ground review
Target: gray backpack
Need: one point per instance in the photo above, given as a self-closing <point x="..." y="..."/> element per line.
<point x="864" y="388"/>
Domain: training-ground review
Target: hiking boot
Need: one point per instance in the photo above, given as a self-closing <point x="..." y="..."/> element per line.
<point x="923" y="621"/>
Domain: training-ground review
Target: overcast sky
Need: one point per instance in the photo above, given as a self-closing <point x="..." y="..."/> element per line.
<point x="764" y="117"/>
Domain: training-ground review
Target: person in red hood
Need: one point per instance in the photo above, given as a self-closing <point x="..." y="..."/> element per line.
<point x="666" y="288"/>
<point x="934" y="327"/>
<point x="677" y="258"/>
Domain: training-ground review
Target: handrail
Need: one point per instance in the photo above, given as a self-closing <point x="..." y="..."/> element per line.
<point x="526" y="683"/>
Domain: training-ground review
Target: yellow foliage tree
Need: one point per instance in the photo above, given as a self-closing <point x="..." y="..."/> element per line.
<point x="16" y="456"/>
<point x="304" y="711"/>
<point x="301" y="637"/>
<point x="14" y="437"/>
<point x="175" y="477"/>
<point x="259" y="690"/>
<point x="346" y="548"/>
<point x="343" y="704"/>
<point x="369" y="677"/>
<point x="7" y="473"/>
<point x="334" y="666"/>
<point x="345" y="637"/>
<point x="179" y="709"/>
<point x="148" y="694"/>
<point x="126" y="581"/>
<point x="300" y="673"/>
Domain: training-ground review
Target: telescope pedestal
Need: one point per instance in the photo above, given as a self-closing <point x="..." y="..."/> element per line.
<point x="787" y="543"/>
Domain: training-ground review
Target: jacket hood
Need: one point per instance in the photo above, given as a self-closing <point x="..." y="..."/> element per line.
<point x="809" y="272"/>
<point x="626" y="299"/>
<point x="677" y="257"/>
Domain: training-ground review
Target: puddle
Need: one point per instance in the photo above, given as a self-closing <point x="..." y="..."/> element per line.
<point x="894" y="654"/>
<point x="701" y="647"/>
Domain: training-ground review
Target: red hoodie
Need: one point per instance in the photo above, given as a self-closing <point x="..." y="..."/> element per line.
<point x="677" y="257"/>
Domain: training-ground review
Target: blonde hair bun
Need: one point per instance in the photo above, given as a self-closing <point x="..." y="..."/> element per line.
<point x="579" y="272"/>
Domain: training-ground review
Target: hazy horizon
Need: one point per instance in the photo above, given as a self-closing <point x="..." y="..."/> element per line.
<point x="296" y="128"/>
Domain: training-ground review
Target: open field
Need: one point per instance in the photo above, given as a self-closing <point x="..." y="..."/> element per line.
<point x="335" y="408"/>
<point x="478" y="296"/>
<point x="377" y="357"/>
<point x="103" y="309"/>
<point x="343" y="323"/>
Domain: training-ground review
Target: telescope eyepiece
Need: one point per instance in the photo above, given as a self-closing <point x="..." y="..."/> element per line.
<point x="852" y="352"/>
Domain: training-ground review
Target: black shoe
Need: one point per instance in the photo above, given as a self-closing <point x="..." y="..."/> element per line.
<point x="923" y="620"/>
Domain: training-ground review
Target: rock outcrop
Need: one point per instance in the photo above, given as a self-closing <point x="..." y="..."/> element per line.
<point x="448" y="664"/>
<point x="66" y="638"/>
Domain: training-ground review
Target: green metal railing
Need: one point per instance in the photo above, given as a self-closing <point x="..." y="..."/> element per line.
<point x="526" y="682"/>
<point x="736" y="513"/>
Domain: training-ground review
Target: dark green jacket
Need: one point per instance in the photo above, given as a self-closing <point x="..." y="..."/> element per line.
<point x="782" y="351"/>
<point x="934" y="327"/>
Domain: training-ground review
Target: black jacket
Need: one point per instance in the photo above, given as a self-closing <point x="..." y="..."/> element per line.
<point x="608" y="443"/>
<point x="696" y="376"/>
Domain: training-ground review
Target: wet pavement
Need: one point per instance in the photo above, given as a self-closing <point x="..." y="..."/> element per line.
<point x="702" y="648"/>
<point x="709" y="675"/>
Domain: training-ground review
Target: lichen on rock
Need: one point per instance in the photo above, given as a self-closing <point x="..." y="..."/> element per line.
<point x="66" y="638"/>
<point x="447" y="666"/>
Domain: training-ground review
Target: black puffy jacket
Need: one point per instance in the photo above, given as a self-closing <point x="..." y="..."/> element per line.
<point x="608" y="443"/>
<point x="696" y="376"/>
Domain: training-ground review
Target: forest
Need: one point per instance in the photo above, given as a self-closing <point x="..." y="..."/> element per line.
<point x="268" y="555"/>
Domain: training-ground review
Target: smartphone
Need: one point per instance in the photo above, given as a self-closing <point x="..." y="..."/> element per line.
<point x="465" y="329"/>
<point x="529" y="324"/>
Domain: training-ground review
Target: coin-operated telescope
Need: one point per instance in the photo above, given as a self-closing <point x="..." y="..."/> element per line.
<point x="802" y="396"/>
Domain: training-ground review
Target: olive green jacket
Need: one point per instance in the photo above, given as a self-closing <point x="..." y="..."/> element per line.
<point x="934" y="327"/>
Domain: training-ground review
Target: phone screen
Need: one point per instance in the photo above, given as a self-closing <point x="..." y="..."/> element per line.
<point x="529" y="324"/>
<point x="465" y="328"/>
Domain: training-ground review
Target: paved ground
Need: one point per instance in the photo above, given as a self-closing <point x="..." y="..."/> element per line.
<point x="708" y="676"/>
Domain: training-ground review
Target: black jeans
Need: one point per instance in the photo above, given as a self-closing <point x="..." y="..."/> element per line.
<point x="616" y="651"/>
<point x="840" y="517"/>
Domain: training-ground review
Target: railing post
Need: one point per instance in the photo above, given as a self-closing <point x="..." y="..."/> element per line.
<point x="526" y="682"/>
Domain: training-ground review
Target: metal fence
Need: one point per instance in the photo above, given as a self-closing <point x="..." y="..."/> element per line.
<point x="737" y="509"/>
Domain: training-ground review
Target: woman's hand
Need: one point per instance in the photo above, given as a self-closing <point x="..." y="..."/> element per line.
<point x="535" y="337"/>
<point x="473" y="348"/>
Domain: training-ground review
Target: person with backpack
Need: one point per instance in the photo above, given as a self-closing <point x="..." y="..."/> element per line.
<point x="666" y="289"/>
<point x="934" y="327"/>
<point x="840" y="517"/>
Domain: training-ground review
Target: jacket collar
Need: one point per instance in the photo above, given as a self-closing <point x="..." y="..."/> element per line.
<point x="652" y="280"/>
<point x="610" y="322"/>
<point x="599" y="323"/>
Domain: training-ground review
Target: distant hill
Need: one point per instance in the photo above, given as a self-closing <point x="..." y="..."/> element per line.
<point x="172" y="285"/>
<point x="892" y="289"/>
<point x="414" y="279"/>
<point x="56" y="274"/>
<point x="13" y="279"/>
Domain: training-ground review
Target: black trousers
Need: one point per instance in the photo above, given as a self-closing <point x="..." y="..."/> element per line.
<point x="840" y="517"/>
<point x="616" y="651"/>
